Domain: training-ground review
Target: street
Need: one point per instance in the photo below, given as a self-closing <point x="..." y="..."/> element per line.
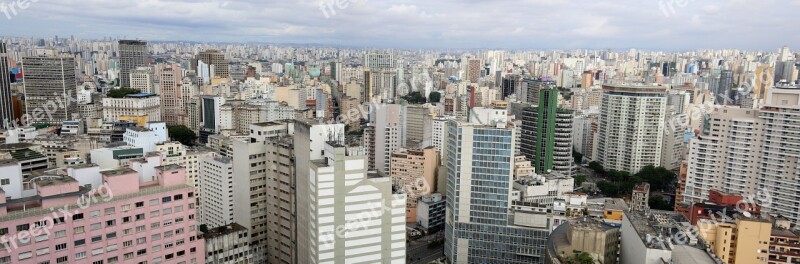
<point x="418" y="252"/>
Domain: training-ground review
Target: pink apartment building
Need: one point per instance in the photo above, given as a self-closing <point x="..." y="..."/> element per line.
<point x="122" y="221"/>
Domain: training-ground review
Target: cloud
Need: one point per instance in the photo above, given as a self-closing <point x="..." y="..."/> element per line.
<point x="445" y="24"/>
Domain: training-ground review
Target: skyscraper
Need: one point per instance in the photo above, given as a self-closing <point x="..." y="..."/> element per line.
<point x="49" y="80"/>
<point x="724" y="94"/>
<point x="631" y="130"/>
<point x="547" y="134"/>
<point x="6" y="109"/>
<point x="215" y="60"/>
<point x="474" y="68"/>
<point x="132" y="54"/>
<point x="173" y="109"/>
<point x="480" y="171"/>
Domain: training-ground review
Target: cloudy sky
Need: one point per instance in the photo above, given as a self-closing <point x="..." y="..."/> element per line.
<point x="440" y="24"/>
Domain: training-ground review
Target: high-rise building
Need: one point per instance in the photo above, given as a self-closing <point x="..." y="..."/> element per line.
<point x="353" y="215"/>
<point x="6" y="107"/>
<point x="125" y="221"/>
<point x="216" y="188"/>
<point x="389" y="135"/>
<point x="173" y="110"/>
<point x="142" y="80"/>
<point x="282" y="222"/>
<point x="379" y="60"/>
<point x="132" y="54"/>
<point x="215" y="60"/>
<point x="724" y="94"/>
<point x="227" y="244"/>
<point x="474" y="68"/>
<point x="48" y="81"/>
<point x="547" y="135"/>
<point x="631" y="127"/>
<point x="415" y="171"/>
<point x="143" y="105"/>
<point x="336" y="71"/>
<point x="480" y="170"/>
<point x="417" y="125"/>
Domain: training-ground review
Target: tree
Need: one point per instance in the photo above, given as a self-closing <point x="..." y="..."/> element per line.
<point x="435" y="97"/>
<point x="584" y="258"/>
<point x="577" y="156"/>
<point x="658" y="203"/>
<point x="659" y="178"/>
<point x="122" y="92"/>
<point x="182" y="134"/>
<point x="579" y="180"/>
<point x="596" y="167"/>
<point x="415" y="98"/>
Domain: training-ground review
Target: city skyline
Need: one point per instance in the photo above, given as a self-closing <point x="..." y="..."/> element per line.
<point x="536" y="24"/>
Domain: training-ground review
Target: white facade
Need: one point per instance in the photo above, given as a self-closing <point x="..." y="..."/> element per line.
<point x="11" y="178"/>
<point x="142" y="80"/>
<point x="217" y="187"/>
<point x="368" y="225"/>
<point x="141" y="105"/>
<point x="389" y="135"/>
<point x="146" y="137"/>
<point x="631" y="128"/>
<point x="439" y="133"/>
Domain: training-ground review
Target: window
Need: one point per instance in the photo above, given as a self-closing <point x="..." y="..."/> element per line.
<point x="80" y="255"/>
<point x="166" y="199"/>
<point x="154" y="202"/>
<point x="168" y="245"/>
<point x="167" y="211"/>
<point x="126" y="219"/>
<point x="169" y="256"/>
<point x="141" y="252"/>
<point x="61" y="259"/>
<point x="98" y="262"/>
<point x="113" y="260"/>
<point x="178" y="197"/>
<point x="179" y="242"/>
<point x="6" y="259"/>
<point x="156" y="248"/>
<point x="80" y="242"/>
<point x="111" y="235"/>
<point x="5" y="181"/>
<point x="23" y="227"/>
<point x="154" y="225"/>
<point x="25" y="255"/>
<point x="139" y="217"/>
<point x="109" y="210"/>
<point x="97" y="251"/>
<point x="167" y="222"/>
<point x="181" y="253"/>
<point x="40" y="223"/>
<point x="179" y="219"/>
<point x="155" y="213"/>
<point x="128" y="256"/>
<point x="77" y="217"/>
<point x="155" y="237"/>
<point x="141" y="240"/>
<point x="77" y="230"/>
<point x="191" y="194"/>
<point x="139" y="204"/>
<point x="61" y="246"/>
<point x="179" y="231"/>
<point x="179" y="208"/>
<point x="168" y="233"/>
<point x="42" y="251"/>
<point x="94" y="213"/>
<point x="127" y="231"/>
<point x="59" y="220"/>
<point x="42" y="238"/>
<point x="3" y="231"/>
<point x="112" y="248"/>
<point x="140" y="228"/>
<point x="95" y="226"/>
<point x="61" y="233"/>
<point x="127" y="243"/>
<point x="125" y="207"/>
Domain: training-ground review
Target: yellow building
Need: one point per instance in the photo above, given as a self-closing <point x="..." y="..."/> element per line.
<point x="744" y="241"/>
<point x="140" y="121"/>
<point x="415" y="170"/>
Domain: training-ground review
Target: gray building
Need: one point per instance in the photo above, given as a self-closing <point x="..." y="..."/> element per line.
<point x="227" y="244"/>
<point x="49" y="80"/>
<point x="6" y="110"/>
<point x="132" y="54"/>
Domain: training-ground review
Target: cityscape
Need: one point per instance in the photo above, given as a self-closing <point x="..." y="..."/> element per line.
<point x="357" y="131"/>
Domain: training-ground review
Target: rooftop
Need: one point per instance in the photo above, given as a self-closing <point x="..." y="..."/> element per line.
<point x="118" y="172"/>
<point x="223" y="230"/>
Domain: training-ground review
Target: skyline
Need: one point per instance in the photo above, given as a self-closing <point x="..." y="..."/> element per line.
<point x="672" y="25"/>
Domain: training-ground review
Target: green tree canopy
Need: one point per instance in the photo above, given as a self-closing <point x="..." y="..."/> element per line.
<point x="435" y="97"/>
<point x="182" y="134"/>
<point x="121" y="92"/>
<point x="415" y="98"/>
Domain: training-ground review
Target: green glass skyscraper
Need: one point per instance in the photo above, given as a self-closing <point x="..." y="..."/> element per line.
<point x="546" y="137"/>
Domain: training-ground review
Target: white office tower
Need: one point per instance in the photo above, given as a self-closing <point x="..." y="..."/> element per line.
<point x="389" y="136"/>
<point x="354" y="216"/>
<point x="631" y="128"/>
<point x="217" y="186"/>
<point x="753" y="153"/>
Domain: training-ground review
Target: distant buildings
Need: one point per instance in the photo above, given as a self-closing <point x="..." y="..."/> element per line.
<point x="6" y="108"/>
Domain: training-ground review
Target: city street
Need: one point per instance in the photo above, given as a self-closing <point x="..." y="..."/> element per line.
<point x="418" y="252"/>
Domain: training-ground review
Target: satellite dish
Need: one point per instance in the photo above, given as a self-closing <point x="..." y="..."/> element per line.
<point x="747" y="214"/>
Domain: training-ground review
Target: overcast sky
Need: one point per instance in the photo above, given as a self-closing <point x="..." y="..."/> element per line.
<point x="440" y="24"/>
